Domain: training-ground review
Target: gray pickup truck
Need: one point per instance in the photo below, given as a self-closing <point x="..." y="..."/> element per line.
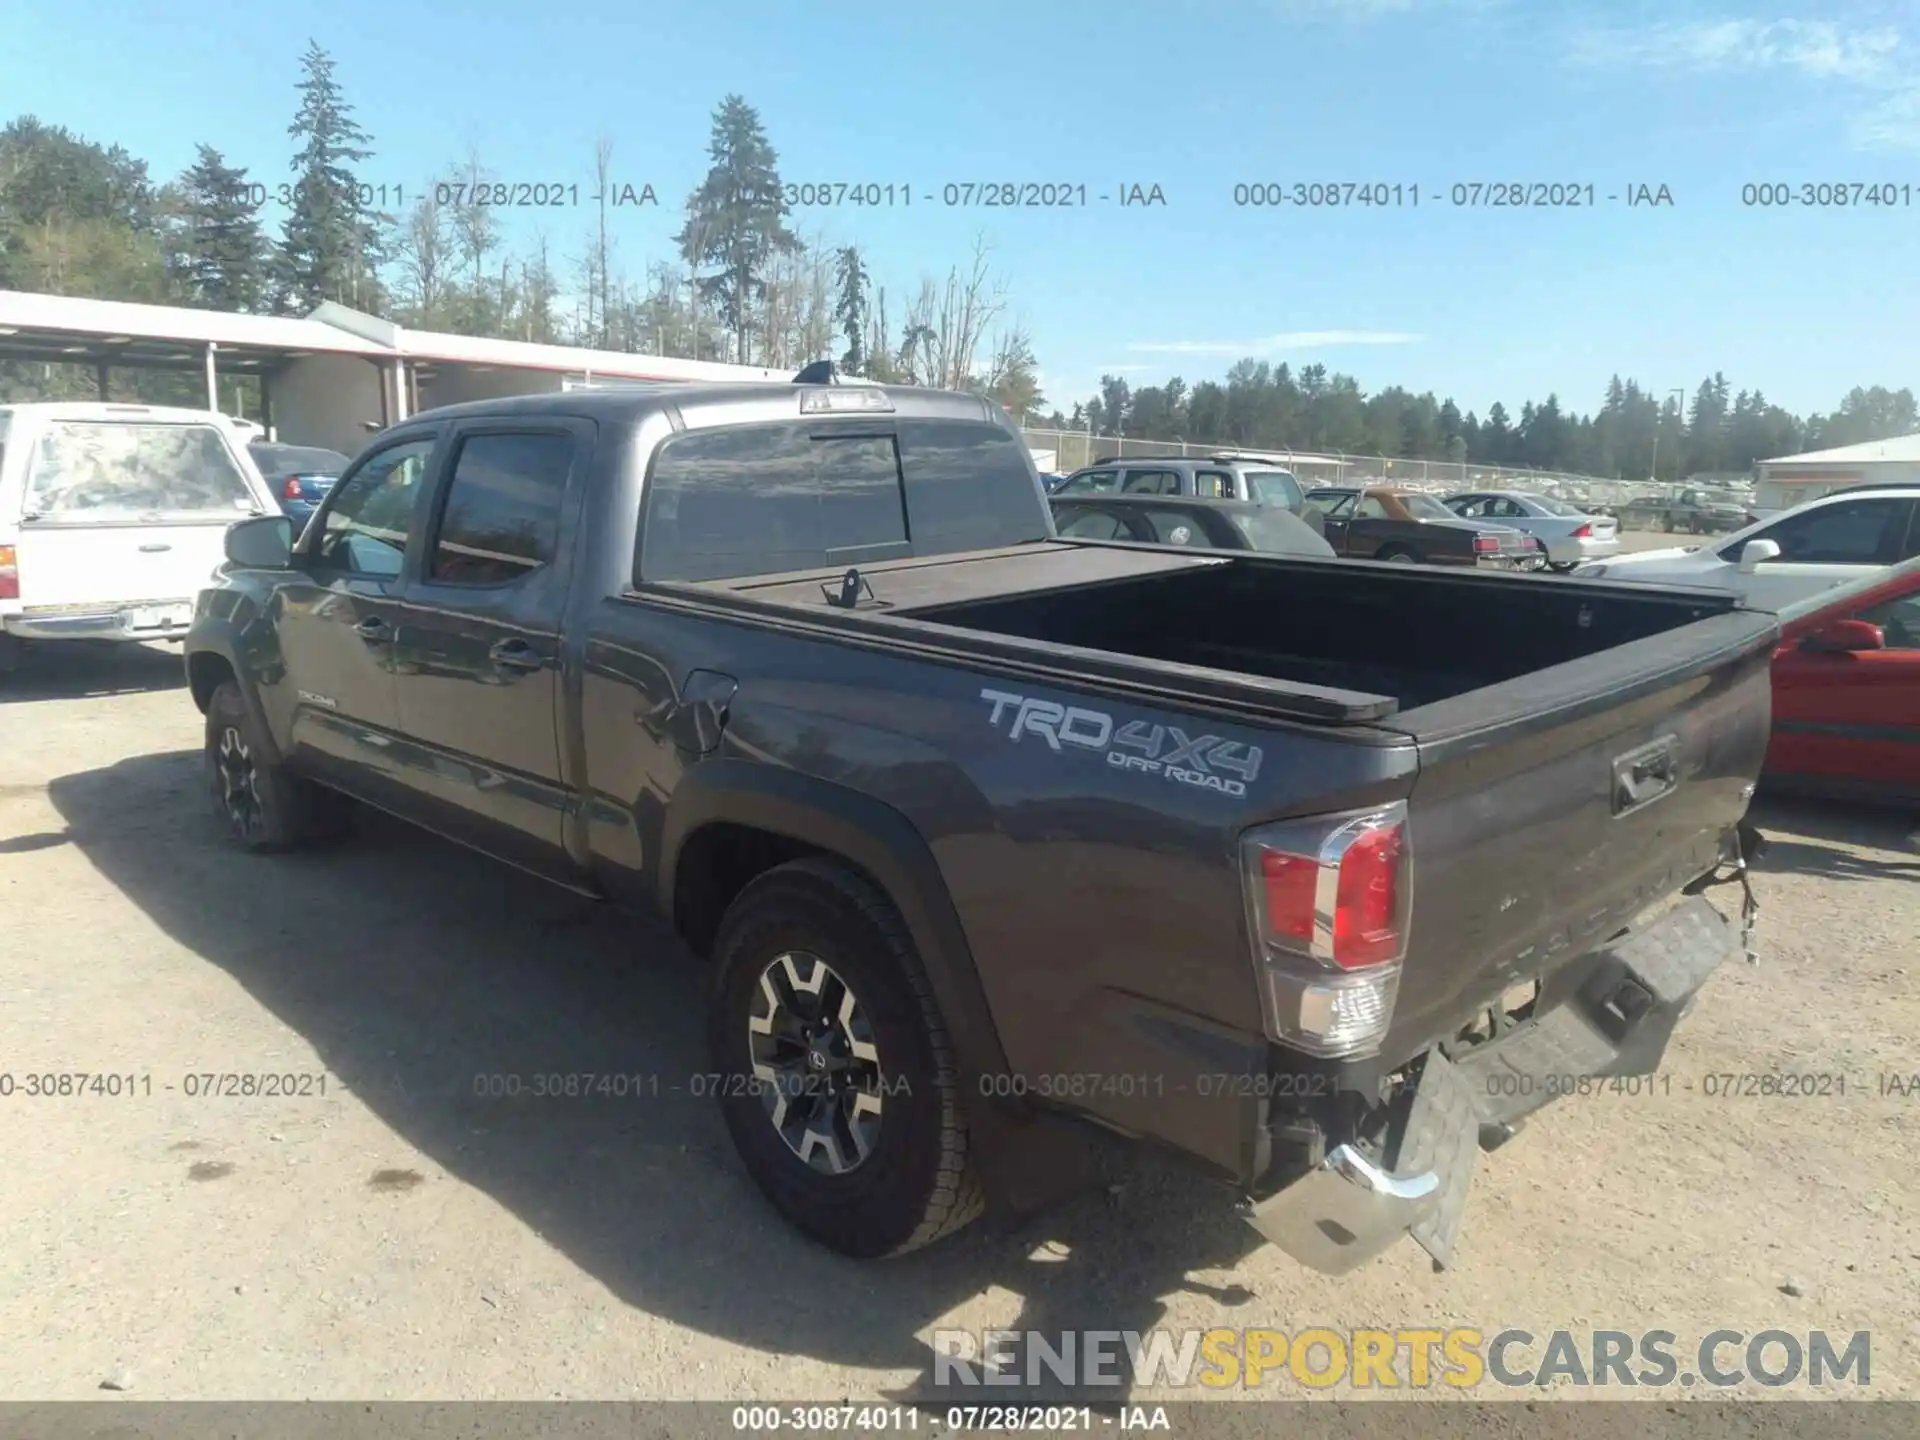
<point x="1000" y="846"/>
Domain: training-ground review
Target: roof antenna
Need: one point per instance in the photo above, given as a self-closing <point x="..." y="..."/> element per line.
<point x="820" y="372"/>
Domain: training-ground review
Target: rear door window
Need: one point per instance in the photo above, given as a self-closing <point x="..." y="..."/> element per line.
<point x="1213" y="485"/>
<point x="1151" y="482"/>
<point x="501" y="517"/>
<point x="112" y="471"/>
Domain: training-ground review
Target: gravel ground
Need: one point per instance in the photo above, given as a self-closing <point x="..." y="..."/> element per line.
<point x="400" y="1237"/>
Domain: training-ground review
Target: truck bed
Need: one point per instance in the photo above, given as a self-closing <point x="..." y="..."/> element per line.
<point x="1350" y="641"/>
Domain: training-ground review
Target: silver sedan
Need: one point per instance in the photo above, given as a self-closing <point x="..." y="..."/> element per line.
<point x="1570" y="536"/>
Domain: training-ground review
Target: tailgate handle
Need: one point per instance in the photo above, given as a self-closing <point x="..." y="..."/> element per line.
<point x="1642" y="776"/>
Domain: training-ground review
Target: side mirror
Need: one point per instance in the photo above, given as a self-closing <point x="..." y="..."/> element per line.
<point x="1846" y="636"/>
<point x="262" y="544"/>
<point x="1756" y="553"/>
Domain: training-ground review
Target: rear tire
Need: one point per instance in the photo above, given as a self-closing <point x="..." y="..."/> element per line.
<point x="1398" y="555"/>
<point x="836" y="1076"/>
<point x="263" y="807"/>
<point x="1563" y="567"/>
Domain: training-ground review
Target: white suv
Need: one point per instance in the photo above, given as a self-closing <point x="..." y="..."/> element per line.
<point x="113" y="516"/>
<point x="1792" y="555"/>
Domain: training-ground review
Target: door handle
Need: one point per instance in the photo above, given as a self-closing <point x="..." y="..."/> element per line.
<point x="374" y="630"/>
<point x="154" y="549"/>
<point x="516" y="655"/>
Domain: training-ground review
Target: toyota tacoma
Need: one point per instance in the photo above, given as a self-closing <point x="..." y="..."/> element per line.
<point x="998" y="844"/>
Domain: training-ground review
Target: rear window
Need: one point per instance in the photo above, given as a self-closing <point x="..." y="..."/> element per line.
<point x="102" y="470"/>
<point x="1275" y="531"/>
<point x="1553" y="506"/>
<point x="763" y="500"/>
<point x="297" y="460"/>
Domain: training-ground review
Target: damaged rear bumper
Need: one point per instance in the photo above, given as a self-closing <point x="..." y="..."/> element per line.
<point x="1614" y="1017"/>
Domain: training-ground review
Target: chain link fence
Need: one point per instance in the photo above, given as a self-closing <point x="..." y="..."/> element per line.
<point x="1061" y="451"/>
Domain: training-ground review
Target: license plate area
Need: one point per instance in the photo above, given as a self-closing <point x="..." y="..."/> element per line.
<point x="159" y="617"/>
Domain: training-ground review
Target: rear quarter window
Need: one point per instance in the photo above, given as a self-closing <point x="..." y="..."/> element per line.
<point x="114" y="470"/>
<point x="1274" y="487"/>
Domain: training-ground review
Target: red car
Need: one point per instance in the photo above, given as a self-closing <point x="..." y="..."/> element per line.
<point x="1846" y="691"/>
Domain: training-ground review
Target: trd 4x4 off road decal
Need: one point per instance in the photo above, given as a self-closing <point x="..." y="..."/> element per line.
<point x="1206" y="761"/>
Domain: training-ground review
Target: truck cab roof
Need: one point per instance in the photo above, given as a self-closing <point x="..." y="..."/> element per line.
<point x="696" y="404"/>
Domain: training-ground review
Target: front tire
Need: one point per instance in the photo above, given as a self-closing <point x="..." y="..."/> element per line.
<point x="262" y="806"/>
<point x="837" y="1079"/>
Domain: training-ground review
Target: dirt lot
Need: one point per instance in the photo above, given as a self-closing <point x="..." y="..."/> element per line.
<point x="401" y="1237"/>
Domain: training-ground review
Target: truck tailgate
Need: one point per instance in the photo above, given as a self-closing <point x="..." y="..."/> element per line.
<point x="1552" y="809"/>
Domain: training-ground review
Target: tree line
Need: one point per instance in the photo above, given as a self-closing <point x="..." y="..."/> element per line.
<point x="741" y="283"/>
<point x="1275" y="407"/>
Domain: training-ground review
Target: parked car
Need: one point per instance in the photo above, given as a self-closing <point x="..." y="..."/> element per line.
<point x="111" y="518"/>
<point x="300" y="475"/>
<point x="1569" y="535"/>
<point x="1704" y="512"/>
<point x="1410" y="527"/>
<point x="1846" y="692"/>
<point x="1225" y="475"/>
<point x="1208" y="524"/>
<point x="1641" y="512"/>
<point x="1806" y="550"/>
<point x="956" y="809"/>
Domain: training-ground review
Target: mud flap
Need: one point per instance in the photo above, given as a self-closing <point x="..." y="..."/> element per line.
<point x="1442" y="1136"/>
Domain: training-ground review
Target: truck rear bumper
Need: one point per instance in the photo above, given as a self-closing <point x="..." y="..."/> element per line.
<point x="1615" y="1021"/>
<point x="158" y="620"/>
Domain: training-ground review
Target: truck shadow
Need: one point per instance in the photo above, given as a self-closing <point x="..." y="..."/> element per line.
<point x="423" y="975"/>
<point x="83" y="670"/>
<point x="1804" y="838"/>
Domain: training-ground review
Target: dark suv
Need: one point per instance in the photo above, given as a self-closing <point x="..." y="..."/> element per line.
<point x="1225" y="475"/>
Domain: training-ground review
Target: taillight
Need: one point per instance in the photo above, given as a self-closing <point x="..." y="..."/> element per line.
<point x="1585" y="532"/>
<point x="9" y="573"/>
<point x="291" y="490"/>
<point x="1486" y="544"/>
<point x="1328" y="900"/>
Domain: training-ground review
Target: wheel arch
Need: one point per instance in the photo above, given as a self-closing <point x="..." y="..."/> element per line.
<point x="732" y="820"/>
<point x="212" y="660"/>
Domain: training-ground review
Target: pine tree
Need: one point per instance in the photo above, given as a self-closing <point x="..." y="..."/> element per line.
<point x="331" y="244"/>
<point x="850" y="308"/>
<point x="224" y="250"/>
<point x="737" y="219"/>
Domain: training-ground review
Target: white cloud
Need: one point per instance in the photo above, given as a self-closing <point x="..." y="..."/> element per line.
<point x="1874" y="64"/>
<point x="1267" y="345"/>
<point x="1819" y="49"/>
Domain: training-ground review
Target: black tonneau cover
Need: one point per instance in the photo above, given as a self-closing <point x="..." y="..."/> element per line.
<point x="798" y="602"/>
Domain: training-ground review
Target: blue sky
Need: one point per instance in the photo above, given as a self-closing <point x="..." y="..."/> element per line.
<point x="1193" y="95"/>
